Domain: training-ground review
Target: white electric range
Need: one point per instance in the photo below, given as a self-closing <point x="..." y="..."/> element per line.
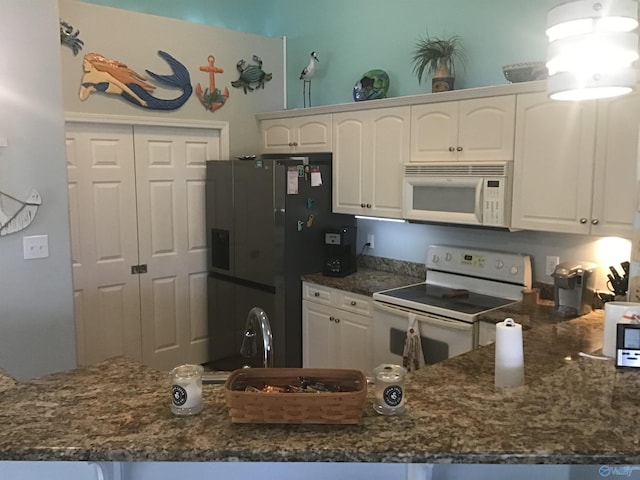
<point x="461" y="284"/>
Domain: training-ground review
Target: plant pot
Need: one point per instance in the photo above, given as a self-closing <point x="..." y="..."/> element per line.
<point x="441" y="84"/>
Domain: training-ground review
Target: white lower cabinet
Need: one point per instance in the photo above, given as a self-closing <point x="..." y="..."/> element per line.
<point x="336" y="328"/>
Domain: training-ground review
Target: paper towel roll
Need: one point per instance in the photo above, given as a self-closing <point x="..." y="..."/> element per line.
<point x="613" y="311"/>
<point x="509" y="354"/>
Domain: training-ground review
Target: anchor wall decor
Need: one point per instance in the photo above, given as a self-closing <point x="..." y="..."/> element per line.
<point x="212" y="98"/>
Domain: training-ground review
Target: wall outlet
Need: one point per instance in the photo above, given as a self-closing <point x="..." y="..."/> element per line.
<point x="371" y="240"/>
<point x="35" y="246"/>
<point x="550" y="264"/>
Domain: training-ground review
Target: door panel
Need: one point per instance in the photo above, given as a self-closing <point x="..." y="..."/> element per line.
<point x="171" y="172"/>
<point x="100" y="168"/>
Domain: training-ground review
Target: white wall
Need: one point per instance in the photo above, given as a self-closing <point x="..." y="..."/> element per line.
<point x="36" y="305"/>
<point x="135" y="38"/>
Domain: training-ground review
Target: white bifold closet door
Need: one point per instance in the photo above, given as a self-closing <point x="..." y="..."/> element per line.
<point x="137" y="199"/>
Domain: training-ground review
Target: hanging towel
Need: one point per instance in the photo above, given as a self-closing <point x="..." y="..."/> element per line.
<point x="412" y="356"/>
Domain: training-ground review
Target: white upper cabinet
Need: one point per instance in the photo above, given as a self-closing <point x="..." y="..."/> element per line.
<point x="479" y="129"/>
<point x="370" y="148"/>
<point x="575" y="165"/>
<point x="614" y="186"/>
<point x="306" y="134"/>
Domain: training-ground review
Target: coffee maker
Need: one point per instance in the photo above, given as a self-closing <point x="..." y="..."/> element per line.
<point x="340" y="257"/>
<point x="574" y="288"/>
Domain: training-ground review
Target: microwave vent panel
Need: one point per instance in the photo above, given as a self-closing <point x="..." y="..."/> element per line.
<point x="449" y="170"/>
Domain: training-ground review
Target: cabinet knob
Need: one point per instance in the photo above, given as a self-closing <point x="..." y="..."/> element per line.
<point x="451" y="149"/>
<point x="459" y="149"/>
<point x="332" y="318"/>
<point x="368" y="205"/>
<point x="595" y="221"/>
<point x="316" y="294"/>
<point x="583" y="220"/>
<point x="337" y="320"/>
<point x="353" y="303"/>
<point x="295" y="144"/>
<point x="362" y="205"/>
<point x="290" y="144"/>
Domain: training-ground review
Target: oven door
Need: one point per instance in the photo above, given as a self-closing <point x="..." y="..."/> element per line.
<point x="443" y="199"/>
<point x="441" y="338"/>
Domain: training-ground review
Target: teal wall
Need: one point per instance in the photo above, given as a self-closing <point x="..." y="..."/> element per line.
<point x="353" y="36"/>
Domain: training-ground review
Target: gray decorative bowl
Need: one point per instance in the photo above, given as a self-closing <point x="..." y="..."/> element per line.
<point x="525" y="72"/>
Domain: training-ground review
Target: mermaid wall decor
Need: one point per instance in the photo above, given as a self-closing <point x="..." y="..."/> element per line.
<point x="111" y="76"/>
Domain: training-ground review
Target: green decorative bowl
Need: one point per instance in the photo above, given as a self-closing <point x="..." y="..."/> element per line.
<point x="525" y="72"/>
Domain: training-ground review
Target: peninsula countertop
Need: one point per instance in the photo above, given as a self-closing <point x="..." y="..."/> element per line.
<point x="571" y="410"/>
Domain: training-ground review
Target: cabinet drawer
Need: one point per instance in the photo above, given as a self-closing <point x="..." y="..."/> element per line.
<point x="355" y="303"/>
<point x="317" y="293"/>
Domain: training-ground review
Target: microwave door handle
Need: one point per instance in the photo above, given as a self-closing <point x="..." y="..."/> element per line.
<point x="479" y="200"/>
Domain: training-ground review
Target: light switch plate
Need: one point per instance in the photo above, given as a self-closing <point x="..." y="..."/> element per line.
<point x="35" y="246"/>
<point x="550" y="265"/>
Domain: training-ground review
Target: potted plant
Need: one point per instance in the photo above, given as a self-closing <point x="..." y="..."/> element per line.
<point x="436" y="57"/>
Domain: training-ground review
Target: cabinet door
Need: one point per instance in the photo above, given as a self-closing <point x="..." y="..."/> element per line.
<point x="614" y="189"/>
<point x="553" y="168"/>
<point x="277" y="135"/>
<point x="390" y="150"/>
<point x="353" y="341"/>
<point x="313" y="134"/>
<point x="371" y="147"/>
<point x="434" y="132"/>
<point x="318" y="326"/>
<point x="351" y="141"/>
<point x="486" y="129"/>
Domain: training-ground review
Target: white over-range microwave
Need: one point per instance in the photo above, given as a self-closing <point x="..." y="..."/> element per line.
<point x="477" y="193"/>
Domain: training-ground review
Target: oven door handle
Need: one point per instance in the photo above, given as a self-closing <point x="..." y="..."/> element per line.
<point x="424" y="318"/>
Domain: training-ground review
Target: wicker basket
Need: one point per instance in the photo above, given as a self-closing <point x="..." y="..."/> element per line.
<point x="323" y="407"/>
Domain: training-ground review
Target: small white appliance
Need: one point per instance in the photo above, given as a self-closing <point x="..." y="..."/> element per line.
<point x="477" y="193"/>
<point x="461" y="284"/>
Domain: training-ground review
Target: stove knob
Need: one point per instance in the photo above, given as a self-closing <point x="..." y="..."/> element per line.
<point x="514" y="270"/>
<point x="448" y="257"/>
<point x="435" y="258"/>
<point x="499" y="264"/>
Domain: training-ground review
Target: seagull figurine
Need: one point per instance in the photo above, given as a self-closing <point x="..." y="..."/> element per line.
<point x="307" y="73"/>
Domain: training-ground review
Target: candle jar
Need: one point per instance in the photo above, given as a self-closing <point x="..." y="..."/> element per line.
<point x="186" y="389"/>
<point x="389" y="389"/>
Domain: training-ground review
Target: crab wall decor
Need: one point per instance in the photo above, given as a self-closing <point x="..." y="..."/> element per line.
<point x="251" y="76"/>
<point x="69" y="37"/>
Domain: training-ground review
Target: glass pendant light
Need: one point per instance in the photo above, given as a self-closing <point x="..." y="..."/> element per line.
<point x="592" y="49"/>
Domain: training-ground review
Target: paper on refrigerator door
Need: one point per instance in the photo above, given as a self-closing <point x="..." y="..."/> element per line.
<point x="292" y="181"/>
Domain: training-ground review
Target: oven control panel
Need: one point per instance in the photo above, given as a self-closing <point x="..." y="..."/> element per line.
<point x="487" y="264"/>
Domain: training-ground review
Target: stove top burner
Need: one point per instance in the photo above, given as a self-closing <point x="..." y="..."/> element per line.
<point x="445" y="298"/>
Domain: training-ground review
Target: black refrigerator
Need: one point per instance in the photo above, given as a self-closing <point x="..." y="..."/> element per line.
<point x="265" y="220"/>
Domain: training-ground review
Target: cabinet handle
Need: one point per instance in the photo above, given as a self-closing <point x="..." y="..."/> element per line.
<point x="583" y="220"/>
<point x="451" y="149"/>
<point x="353" y="303"/>
<point x="316" y="294"/>
<point x="459" y="149"/>
<point x="595" y="221"/>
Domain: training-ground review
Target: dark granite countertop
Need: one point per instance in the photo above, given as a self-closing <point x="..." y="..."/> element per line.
<point x="571" y="410"/>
